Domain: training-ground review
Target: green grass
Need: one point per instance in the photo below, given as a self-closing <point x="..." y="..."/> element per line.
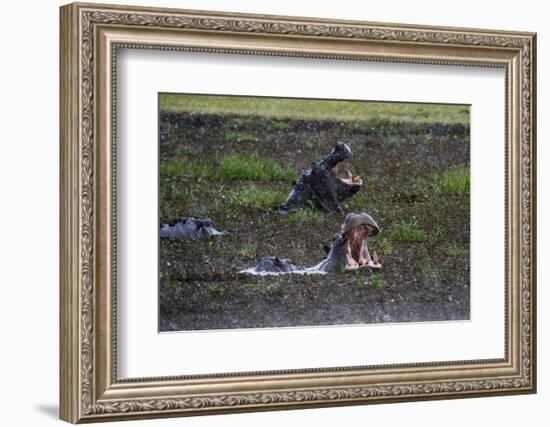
<point x="357" y="203"/>
<point x="176" y="168"/>
<point x="240" y="123"/>
<point x="173" y="199"/>
<point x="186" y="150"/>
<point x="437" y="235"/>
<point x="456" y="251"/>
<point x="234" y="136"/>
<point x="247" y="249"/>
<point x="407" y="232"/>
<point x="232" y="167"/>
<point x="308" y="109"/>
<point x="309" y="216"/>
<point x="385" y="245"/>
<point x="455" y="180"/>
<point x="255" y="197"/>
<point x="254" y="168"/>
<point x="394" y="141"/>
<point x="280" y="125"/>
<point x="377" y="281"/>
<point x="216" y="288"/>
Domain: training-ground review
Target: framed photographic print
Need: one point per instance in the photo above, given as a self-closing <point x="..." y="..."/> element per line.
<point x="266" y="212"/>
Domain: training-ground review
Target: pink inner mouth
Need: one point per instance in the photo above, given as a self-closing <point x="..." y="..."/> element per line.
<point x="356" y="255"/>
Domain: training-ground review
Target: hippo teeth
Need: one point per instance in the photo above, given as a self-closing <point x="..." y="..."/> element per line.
<point x="351" y="179"/>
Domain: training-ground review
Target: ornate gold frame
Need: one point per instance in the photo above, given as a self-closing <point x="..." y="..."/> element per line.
<point x="90" y="35"/>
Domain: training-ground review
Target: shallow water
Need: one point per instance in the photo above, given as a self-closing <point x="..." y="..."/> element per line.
<point x="301" y="271"/>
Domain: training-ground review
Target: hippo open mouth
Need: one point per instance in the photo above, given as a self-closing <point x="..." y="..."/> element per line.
<point x="321" y="187"/>
<point x="357" y="253"/>
<point x="348" y="251"/>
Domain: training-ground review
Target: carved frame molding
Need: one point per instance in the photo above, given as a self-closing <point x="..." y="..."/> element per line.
<point x="90" y="36"/>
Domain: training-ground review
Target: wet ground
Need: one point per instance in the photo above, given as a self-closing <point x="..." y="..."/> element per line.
<point x="423" y="244"/>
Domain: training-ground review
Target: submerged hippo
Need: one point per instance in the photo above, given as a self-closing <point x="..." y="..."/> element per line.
<point x="321" y="187"/>
<point x="348" y="251"/>
<point x="189" y="229"/>
<point x="273" y="264"/>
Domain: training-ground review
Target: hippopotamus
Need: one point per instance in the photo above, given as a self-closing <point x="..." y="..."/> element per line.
<point x="320" y="187"/>
<point x="189" y="229"/>
<point x="348" y="251"/>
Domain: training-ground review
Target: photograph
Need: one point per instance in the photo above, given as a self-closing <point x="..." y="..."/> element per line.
<point x="294" y="212"/>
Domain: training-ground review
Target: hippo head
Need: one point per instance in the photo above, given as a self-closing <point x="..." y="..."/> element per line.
<point x="355" y="229"/>
<point x="344" y="186"/>
<point x="321" y="187"/>
<point x="348" y="249"/>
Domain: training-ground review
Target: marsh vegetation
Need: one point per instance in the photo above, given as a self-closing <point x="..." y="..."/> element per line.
<point x="233" y="159"/>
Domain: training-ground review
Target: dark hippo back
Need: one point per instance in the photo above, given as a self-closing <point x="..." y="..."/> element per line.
<point x="273" y="264"/>
<point x="189" y="229"/>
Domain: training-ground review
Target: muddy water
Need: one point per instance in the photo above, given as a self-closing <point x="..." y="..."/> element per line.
<point x="427" y="280"/>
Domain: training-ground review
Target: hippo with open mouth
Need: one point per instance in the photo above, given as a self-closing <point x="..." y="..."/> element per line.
<point x="348" y="251"/>
<point x="321" y="187"/>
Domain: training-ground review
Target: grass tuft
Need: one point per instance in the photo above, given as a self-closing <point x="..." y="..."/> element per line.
<point x="385" y="246"/>
<point x="232" y="167"/>
<point x="280" y="126"/>
<point x="377" y="281"/>
<point x="186" y="150"/>
<point x="175" y="168"/>
<point x="394" y="141"/>
<point x="408" y="232"/>
<point x="234" y="136"/>
<point x="255" y="197"/>
<point x="247" y="249"/>
<point x="456" y="251"/>
<point x="302" y="216"/>
<point x="455" y="180"/>
<point x="253" y="168"/>
<point x="357" y="203"/>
